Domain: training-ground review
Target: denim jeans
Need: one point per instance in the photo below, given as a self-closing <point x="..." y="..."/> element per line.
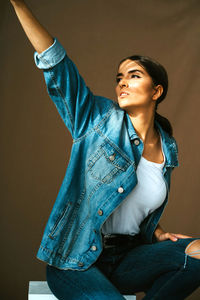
<point x="162" y="270"/>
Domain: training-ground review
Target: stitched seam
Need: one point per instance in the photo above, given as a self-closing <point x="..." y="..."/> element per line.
<point x="69" y="226"/>
<point x="59" y="91"/>
<point x="45" y="61"/>
<point x="114" y="146"/>
<point x="82" y="224"/>
<point x="79" y="139"/>
<point x="68" y="259"/>
<point x="114" y="193"/>
<point x="59" y="221"/>
<point x="76" y="236"/>
<point x="102" y="153"/>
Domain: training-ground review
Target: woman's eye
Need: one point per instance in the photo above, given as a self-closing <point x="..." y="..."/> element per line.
<point x="118" y="80"/>
<point x="135" y="76"/>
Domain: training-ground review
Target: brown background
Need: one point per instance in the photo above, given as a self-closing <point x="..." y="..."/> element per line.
<point x="35" y="144"/>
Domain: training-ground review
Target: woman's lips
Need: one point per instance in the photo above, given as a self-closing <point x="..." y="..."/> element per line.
<point x="123" y="94"/>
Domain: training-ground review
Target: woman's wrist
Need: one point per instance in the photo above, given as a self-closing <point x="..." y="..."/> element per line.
<point x="17" y="3"/>
<point x="158" y="231"/>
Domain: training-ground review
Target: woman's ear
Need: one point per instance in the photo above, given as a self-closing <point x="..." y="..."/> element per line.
<point x="158" y="92"/>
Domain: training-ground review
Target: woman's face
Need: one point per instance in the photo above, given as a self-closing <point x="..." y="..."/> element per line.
<point x="134" y="86"/>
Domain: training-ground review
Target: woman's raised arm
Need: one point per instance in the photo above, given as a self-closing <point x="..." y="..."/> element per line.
<point x="76" y="104"/>
<point x="36" y="33"/>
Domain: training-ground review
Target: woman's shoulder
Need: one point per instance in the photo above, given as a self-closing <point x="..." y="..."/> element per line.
<point x="105" y="100"/>
<point x="106" y="103"/>
<point x="106" y="110"/>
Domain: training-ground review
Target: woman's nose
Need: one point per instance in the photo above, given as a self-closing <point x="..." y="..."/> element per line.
<point x="123" y="83"/>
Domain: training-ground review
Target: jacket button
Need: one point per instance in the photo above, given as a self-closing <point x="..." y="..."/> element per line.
<point x="94" y="248"/>
<point x="100" y="212"/>
<point x="120" y="190"/>
<point x="112" y="157"/>
<point x="136" y="142"/>
<point x="80" y="264"/>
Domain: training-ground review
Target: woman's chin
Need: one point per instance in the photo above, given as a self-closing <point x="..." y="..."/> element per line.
<point x="123" y="102"/>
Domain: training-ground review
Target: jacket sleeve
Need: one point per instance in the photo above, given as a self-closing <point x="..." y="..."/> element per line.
<point x="66" y="88"/>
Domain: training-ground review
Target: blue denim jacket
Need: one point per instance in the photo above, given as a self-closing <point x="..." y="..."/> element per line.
<point x="104" y="157"/>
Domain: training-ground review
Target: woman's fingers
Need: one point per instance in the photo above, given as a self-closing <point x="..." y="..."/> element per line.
<point x="172" y="236"/>
<point x="181" y="236"/>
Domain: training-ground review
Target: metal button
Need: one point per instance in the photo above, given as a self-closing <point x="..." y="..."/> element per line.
<point x="100" y="212"/>
<point x="136" y="142"/>
<point x="94" y="248"/>
<point x="120" y="190"/>
<point x="112" y="157"/>
<point x="80" y="264"/>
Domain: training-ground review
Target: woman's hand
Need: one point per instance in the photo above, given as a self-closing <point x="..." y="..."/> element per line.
<point x="16" y="1"/>
<point x="161" y="235"/>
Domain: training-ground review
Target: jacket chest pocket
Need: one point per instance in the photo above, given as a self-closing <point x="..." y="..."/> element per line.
<point x="106" y="163"/>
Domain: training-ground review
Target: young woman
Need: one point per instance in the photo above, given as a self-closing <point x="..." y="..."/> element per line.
<point x="103" y="237"/>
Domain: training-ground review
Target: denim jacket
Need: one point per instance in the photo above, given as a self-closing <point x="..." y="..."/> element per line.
<point x="102" y="169"/>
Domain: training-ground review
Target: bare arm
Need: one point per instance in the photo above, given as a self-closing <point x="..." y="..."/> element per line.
<point x="76" y="104"/>
<point x="36" y="33"/>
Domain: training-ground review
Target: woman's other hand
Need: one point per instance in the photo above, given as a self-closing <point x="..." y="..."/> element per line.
<point x="161" y="235"/>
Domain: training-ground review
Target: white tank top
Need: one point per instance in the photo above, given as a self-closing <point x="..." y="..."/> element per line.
<point x="149" y="194"/>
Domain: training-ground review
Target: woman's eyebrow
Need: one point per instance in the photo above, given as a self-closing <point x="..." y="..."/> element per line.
<point x="130" y="72"/>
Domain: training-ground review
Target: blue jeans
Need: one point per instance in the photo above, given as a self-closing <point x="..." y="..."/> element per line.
<point x="162" y="270"/>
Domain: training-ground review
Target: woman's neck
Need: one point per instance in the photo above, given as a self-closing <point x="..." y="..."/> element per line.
<point x="144" y="126"/>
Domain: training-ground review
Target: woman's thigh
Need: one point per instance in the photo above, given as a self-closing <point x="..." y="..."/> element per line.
<point x="142" y="265"/>
<point x="81" y="285"/>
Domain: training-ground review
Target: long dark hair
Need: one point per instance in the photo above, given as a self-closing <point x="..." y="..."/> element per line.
<point x="159" y="76"/>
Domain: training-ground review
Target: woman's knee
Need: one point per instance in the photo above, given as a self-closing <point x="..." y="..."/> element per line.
<point x="193" y="249"/>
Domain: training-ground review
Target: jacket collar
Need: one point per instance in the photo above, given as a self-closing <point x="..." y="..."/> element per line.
<point x="170" y="147"/>
<point x="169" y="144"/>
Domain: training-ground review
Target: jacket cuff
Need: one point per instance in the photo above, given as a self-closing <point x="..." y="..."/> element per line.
<point x="50" y="57"/>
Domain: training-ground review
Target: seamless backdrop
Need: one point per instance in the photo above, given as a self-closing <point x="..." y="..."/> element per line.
<point x="35" y="145"/>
